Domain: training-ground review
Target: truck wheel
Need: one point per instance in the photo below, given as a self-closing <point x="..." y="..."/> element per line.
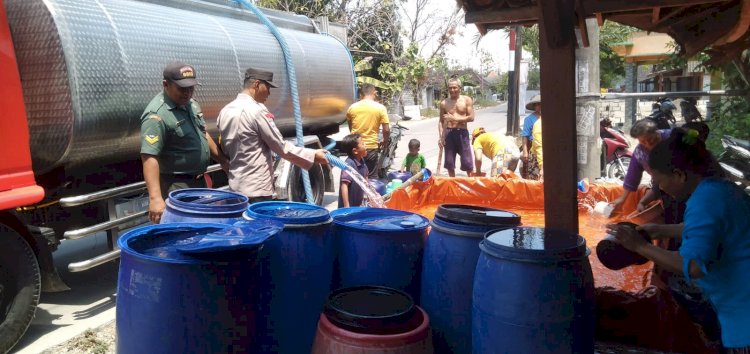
<point x="317" y="183"/>
<point x="20" y="286"/>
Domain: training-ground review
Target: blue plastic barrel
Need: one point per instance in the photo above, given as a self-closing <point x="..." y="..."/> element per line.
<point x="450" y="258"/>
<point x="380" y="247"/>
<point x="403" y="176"/>
<point x="296" y="275"/>
<point x="378" y="185"/>
<point x="204" y="205"/>
<point x="189" y="288"/>
<point x="533" y="293"/>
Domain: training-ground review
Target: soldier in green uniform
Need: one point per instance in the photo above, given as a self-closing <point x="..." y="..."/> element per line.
<point x="175" y="147"/>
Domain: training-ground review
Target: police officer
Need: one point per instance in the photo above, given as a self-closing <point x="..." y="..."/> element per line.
<point x="175" y="146"/>
<point x="249" y="136"/>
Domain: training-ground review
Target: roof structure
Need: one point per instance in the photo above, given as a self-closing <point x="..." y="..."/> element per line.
<point x="695" y="25"/>
<point x="644" y="47"/>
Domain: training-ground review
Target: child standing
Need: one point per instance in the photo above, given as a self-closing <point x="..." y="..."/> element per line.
<point x="414" y="161"/>
<point x="351" y="194"/>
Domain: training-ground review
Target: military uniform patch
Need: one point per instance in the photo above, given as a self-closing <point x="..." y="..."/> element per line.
<point x="152" y="139"/>
<point x="154" y="116"/>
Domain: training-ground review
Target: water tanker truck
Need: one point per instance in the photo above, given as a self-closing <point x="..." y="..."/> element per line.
<point x="76" y="76"/>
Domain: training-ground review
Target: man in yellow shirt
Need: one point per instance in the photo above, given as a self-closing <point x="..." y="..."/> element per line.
<point x="365" y="118"/>
<point x="501" y="149"/>
<point x="536" y="146"/>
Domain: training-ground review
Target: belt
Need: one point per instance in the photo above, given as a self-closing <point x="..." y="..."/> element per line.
<point x="184" y="176"/>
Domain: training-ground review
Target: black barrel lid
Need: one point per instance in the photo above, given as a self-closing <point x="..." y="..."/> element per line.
<point x="372" y="310"/>
<point x="477" y="215"/>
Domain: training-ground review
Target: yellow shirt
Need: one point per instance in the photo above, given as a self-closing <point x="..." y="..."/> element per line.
<point x="365" y="118"/>
<point x="493" y="144"/>
<point x="536" y="144"/>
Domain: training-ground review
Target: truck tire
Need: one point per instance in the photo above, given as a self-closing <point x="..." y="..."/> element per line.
<point x="296" y="191"/>
<point x="20" y="286"/>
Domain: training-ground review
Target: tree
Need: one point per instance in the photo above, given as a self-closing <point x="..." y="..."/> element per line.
<point x="410" y="68"/>
<point x="611" y="65"/>
<point x="429" y="31"/>
<point x="335" y="10"/>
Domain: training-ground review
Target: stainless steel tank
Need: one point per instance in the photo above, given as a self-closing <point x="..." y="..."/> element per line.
<point x="89" y="67"/>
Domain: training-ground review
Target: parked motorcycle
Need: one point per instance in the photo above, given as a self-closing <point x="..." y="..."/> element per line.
<point x="735" y="160"/>
<point x="689" y="110"/>
<point x="388" y="153"/>
<point x="616" y="153"/>
<point x="661" y="113"/>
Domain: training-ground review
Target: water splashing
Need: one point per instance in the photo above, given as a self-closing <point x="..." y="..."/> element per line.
<point x="374" y="199"/>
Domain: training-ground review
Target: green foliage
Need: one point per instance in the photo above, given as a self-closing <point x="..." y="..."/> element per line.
<point x="309" y="8"/>
<point x="429" y="112"/>
<point x="484" y="102"/>
<point x="611" y="66"/>
<point x="732" y="117"/>
<point x="409" y="69"/>
<point x="500" y="84"/>
<point x="533" y="79"/>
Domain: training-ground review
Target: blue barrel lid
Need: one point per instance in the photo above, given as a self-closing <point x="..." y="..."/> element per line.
<point x="378" y="219"/>
<point x="343" y="211"/>
<point x="289" y="213"/>
<point x="534" y="244"/>
<point x="180" y="243"/>
<point x="207" y="200"/>
<point x="476" y="215"/>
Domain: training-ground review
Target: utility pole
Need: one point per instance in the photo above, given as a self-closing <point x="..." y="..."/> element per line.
<point x="515" y="43"/>
<point x="587" y="107"/>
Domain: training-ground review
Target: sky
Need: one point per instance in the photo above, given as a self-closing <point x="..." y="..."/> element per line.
<point x="464" y="51"/>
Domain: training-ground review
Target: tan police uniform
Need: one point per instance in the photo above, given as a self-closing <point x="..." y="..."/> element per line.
<point x="248" y="137"/>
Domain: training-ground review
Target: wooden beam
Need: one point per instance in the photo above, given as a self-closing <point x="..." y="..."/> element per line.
<point x="528" y="13"/>
<point x="740" y="28"/>
<point x="655" y="14"/>
<point x="581" y="17"/>
<point x="557" y="55"/>
<point x="624" y="6"/>
<point x="680" y="15"/>
<point x="590" y="7"/>
<point x="659" y="22"/>
<point x="507" y="24"/>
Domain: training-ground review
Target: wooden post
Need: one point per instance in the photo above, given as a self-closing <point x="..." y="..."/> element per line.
<point x="557" y="69"/>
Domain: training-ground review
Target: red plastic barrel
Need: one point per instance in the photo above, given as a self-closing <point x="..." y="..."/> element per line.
<point x="331" y="339"/>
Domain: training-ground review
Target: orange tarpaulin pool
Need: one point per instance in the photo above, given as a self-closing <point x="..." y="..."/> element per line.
<point x="526" y="198"/>
<point x="629" y="309"/>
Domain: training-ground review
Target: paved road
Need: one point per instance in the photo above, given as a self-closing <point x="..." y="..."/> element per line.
<point x="91" y="301"/>
<point x="493" y="119"/>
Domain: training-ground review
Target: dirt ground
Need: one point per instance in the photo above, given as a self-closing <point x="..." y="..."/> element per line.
<point x="102" y="341"/>
<point x="94" y="341"/>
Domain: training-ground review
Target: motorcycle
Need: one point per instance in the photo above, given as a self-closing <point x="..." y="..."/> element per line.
<point x="616" y="153"/>
<point x="388" y="153"/>
<point x="689" y="110"/>
<point x="735" y="160"/>
<point x="661" y="113"/>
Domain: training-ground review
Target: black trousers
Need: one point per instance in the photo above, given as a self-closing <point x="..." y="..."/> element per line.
<point x="371" y="160"/>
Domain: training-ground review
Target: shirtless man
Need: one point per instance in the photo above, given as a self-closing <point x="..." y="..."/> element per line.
<point x="455" y="112"/>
